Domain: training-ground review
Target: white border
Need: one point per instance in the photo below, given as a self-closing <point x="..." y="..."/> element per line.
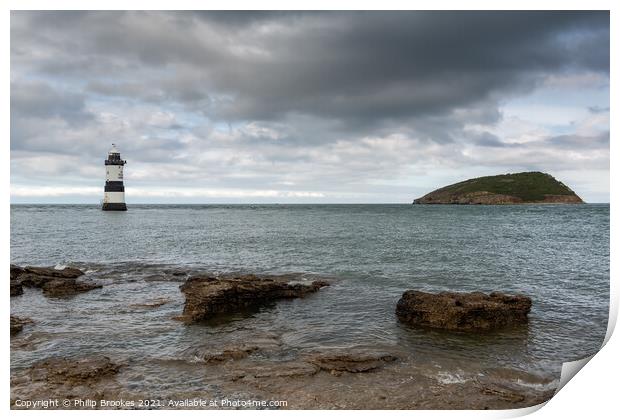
<point x="591" y="394"/>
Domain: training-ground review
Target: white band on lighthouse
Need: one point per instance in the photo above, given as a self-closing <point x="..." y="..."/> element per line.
<point x="114" y="191"/>
<point x="114" y="172"/>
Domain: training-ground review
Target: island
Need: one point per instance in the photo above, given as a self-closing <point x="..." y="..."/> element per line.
<point x="518" y="188"/>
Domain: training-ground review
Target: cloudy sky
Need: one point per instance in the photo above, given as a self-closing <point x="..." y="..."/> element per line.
<point x="305" y="107"/>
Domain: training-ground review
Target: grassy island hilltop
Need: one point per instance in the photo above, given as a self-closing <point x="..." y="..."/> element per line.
<point x="519" y="188"/>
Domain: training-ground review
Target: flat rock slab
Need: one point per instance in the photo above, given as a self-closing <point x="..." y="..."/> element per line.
<point x="463" y="311"/>
<point x="334" y="361"/>
<point x="206" y="297"/>
<point x="53" y="282"/>
<point x="352" y="361"/>
<point x="61" y="370"/>
<point x="91" y="377"/>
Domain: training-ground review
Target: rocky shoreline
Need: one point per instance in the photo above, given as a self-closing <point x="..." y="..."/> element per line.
<point x="489" y="198"/>
<point x="53" y="282"/>
<point x="258" y="366"/>
<point x="349" y="378"/>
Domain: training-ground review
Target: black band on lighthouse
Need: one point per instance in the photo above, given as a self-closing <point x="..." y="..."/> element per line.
<point x="114" y="186"/>
<point x="115" y="161"/>
<point x="114" y="206"/>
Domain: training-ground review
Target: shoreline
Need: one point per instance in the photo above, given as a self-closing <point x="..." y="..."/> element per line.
<point x="351" y="378"/>
<point x="258" y="365"/>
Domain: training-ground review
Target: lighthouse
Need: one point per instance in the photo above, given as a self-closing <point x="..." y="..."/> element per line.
<point x="114" y="191"/>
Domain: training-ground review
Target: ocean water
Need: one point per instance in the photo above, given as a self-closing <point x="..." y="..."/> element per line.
<point x="556" y="254"/>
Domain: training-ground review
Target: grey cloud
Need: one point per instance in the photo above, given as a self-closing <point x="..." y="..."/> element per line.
<point x="598" y="109"/>
<point x="264" y="99"/>
<point x="39" y="100"/>
<point x="361" y="66"/>
<point x="575" y="141"/>
<point x="487" y="139"/>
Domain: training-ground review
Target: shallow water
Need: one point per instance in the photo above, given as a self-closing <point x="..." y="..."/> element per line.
<point x="557" y="254"/>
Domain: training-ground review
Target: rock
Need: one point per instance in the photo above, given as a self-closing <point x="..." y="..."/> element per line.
<point x="214" y="352"/>
<point x="336" y="362"/>
<point x="67" y="272"/>
<point x="17" y="324"/>
<point x="38" y="276"/>
<point x="85" y="378"/>
<point x="178" y="273"/>
<point x="352" y="360"/>
<point x="16" y="284"/>
<point x="67" y="287"/>
<point x="16" y="271"/>
<point x="288" y="369"/>
<point x="206" y="297"/>
<point x="52" y="281"/>
<point x="153" y="304"/>
<point x="16" y="288"/>
<point x="232" y="353"/>
<point x="62" y="370"/>
<point x="462" y="311"/>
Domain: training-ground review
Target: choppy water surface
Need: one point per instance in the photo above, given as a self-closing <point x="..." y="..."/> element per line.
<point x="557" y="254"/>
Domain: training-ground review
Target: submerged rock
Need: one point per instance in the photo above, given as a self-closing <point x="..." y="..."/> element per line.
<point x="61" y="370"/>
<point x="353" y="361"/>
<point x="462" y="311"/>
<point x="17" y="324"/>
<point x="231" y="353"/>
<point x="206" y="297"/>
<point x="54" y="282"/>
<point x="152" y="304"/>
<point x="281" y="370"/>
<point x="333" y="361"/>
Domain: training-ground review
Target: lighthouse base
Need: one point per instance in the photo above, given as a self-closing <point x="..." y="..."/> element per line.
<point x="114" y="207"/>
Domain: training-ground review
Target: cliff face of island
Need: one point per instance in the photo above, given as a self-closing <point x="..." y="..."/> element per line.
<point x="519" y="188"/>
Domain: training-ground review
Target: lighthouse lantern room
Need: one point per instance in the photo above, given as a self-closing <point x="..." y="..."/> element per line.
<point x="114" y="191"/>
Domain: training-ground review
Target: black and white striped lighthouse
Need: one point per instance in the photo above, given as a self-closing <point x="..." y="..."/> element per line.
<point x="114" y="191"/>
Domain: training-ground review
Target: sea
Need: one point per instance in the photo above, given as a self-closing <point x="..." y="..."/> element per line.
<point x="556" y="254"/>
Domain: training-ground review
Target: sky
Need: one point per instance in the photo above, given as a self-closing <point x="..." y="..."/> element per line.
<point x="304" y="107"/>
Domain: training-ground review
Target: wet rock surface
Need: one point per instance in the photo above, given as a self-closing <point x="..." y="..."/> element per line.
<point x="88" y="377"/>
<point x="362" y="378"/>
<point x="16" y="288"/>
<point x="231" y="353"/>
<point x="156" y="303"/>
<point x="463" y="311"/>
<point x="348" y="378"/>
<point x="67" y="287"/>
<point x="334" y="361"/>
<point x="206" y="297"/>
<point x="53" y="282"/>
<point x="75" y="371"/>
<point x="17" y="324"/>
<point x="353" y="361"/>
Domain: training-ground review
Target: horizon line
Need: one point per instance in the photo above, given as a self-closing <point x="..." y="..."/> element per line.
<point x="277" y="203"/>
